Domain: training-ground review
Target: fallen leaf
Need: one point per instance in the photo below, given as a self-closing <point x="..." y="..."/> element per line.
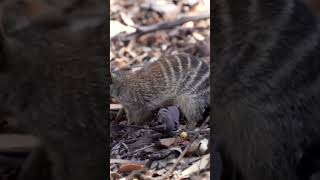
<point x="167" y="141"/>
<point x="118" y="27"/>
<point x="169" y="10"/>
<point x="130" y="167"/>
<point x="197" y="166"/>
<point x="203" y="146"/>
<point x="198" y="36"/>
<point x="177" y="148"/>
<point x="126" y="19"/>
<point x="200" y="7"/>
<point x="193" y="147"/>
<point x="115" y="175"/>
<point x="152" y="39"/>
<point x="189" y="24"/>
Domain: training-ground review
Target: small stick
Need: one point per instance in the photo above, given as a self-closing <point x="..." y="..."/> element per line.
<point x="124" y="161"/>
<point x="138" y="150"/>
<point x="165" y="176"/>
<point x="161" y="26"/>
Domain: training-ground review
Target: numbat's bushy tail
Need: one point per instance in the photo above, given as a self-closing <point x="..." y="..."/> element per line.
<point x="179" y="80"/>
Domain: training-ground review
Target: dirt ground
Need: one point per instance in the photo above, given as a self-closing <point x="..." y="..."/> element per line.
<point x="140" y="32"/>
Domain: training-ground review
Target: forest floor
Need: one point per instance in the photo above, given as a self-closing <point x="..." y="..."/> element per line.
<point x="140" y="32"/>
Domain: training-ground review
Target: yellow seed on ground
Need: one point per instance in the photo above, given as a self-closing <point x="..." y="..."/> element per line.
<point x="183" y="135"/>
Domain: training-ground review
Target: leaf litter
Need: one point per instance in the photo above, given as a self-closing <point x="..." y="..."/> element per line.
<point x="144" y="31"/>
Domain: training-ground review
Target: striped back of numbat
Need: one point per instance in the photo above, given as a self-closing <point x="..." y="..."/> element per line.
<point x="180" y="80"/>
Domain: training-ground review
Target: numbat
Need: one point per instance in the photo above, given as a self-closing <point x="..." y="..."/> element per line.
<point x="179" y="80"/>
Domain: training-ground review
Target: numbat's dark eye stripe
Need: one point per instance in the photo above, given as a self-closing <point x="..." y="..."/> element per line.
<point x="178" y="80"/>
<point x="266" y="88"/>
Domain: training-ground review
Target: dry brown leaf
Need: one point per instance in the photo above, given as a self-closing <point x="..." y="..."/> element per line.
<point x="167" y="141"/>
<point x="115" y="175"/>
<point x="130" y="167"/>
<point x="151" y="39"/>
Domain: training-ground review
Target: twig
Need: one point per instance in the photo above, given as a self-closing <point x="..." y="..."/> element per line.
<point x="165" y="176"/>
<point x="124" y="161"/>
<point x="204" y="131"/>
<point x="138" y="150"/>
<point x="161" y="26"/>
